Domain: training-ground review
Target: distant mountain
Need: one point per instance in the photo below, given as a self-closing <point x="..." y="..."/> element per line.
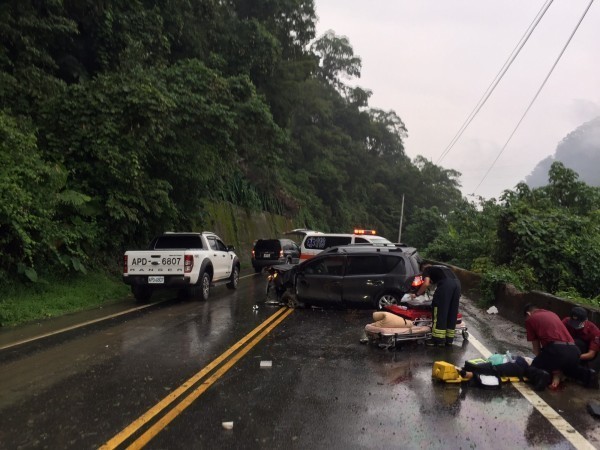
<point x="579" y="151"/>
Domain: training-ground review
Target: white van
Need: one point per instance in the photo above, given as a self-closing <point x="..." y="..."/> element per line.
<point x="314" y="242"/>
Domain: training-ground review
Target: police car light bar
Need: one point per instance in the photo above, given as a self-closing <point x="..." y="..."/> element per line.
<point x="361" y="231"/>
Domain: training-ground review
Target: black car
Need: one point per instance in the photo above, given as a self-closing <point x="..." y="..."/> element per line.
<point x="351" y="275"/>
<point x="269" y="252"/>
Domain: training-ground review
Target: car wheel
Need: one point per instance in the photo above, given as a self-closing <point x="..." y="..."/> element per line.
<point x="386" y="300"/>
<point x="205" y="285"/>
<point x="235" y="278"/>
<point x="141" y="293"/>
<point x="291" y="300"/>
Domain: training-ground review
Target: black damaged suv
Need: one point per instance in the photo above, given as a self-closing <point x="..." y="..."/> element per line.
<point x="352" y="275"/>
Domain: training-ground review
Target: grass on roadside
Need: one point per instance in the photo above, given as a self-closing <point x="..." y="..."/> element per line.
<point x="52" y="298"/>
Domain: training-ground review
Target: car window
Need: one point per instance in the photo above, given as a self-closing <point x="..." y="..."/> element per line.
<point x="414" y="263"/>
<point x="364" y="265"/>
<point x="360" y="240"/>
<point x="333" y="265"/>
<point x="212" y="242"/>
<point x="177" y="241"/>
<point x="390" y="262"/>
<point x="221" y="245"/>
<point x="323" y="242"/>
<point x="267" y="245"/>
<point x="379" y="240"/>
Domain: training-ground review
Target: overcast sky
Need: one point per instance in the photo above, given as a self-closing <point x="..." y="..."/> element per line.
<point x="432" y="60"/>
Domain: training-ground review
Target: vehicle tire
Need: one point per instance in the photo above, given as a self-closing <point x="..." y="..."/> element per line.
<point x="289" y="299"/>
<point x="386" y="300"/>
<point x="141" y="293"/>
<point x="235" y="278"/>
<point x="204" y="285"/>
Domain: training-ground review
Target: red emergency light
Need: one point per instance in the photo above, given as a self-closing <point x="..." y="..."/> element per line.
<point x="361" y="231"/>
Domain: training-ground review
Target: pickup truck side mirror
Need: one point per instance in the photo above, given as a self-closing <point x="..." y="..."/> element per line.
<point x="230" y="248"/>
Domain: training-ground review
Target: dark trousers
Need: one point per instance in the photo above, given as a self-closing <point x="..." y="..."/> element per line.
<point x="591" y="363"/>
<point x="564" y="358"/>
<point x="445" y="309"/>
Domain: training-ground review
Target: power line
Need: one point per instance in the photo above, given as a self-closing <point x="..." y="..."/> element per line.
<point x="537" y="93"/>
<point x="496" y="79"/>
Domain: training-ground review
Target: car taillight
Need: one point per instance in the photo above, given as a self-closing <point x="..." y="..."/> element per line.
<point x="253" y="253"/>
<point x="188" y="263"/>
<point x="417" y="281"/>
<point x="124" y="263"/>
<point x="281" y="253"/>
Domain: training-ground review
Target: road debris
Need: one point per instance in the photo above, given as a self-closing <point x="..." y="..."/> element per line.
<point x="492" y="310"/>
<point x="227" y="425"/>
<point x="266" y="364"/>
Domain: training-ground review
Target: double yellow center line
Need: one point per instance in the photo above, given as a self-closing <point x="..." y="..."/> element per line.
<point x="244" y="346"/>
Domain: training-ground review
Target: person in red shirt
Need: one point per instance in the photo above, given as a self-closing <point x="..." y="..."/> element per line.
<point x="554" y="347"/>
<point x="586" y="336"/>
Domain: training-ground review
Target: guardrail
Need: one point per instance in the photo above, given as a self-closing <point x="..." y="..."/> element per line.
<point x="510" y="301"/>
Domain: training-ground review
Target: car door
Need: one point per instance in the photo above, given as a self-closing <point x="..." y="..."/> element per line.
<point x="219" y="257"/>
<point x="320" y="280"/>
<point x="291" y="250"/>
<point x="295" y="251"/>
<point x="364" y="278"/>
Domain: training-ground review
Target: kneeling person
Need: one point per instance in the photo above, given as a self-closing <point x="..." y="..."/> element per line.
<point x="586" y="336"/>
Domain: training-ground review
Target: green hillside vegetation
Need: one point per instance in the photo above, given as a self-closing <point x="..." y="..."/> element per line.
<point x="120" y="119"/>
<point x="545" y="238"/>
<point x="123" y="119"/>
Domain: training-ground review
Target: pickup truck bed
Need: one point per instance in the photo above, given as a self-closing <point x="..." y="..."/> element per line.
<point x="192" y="262"/>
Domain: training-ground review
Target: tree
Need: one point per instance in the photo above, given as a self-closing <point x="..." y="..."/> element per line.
<point x="336" y="59"/>
<point x="32" y="196"/>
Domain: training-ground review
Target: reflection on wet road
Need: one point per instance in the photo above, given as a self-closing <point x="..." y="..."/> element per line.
<point x="170" y="376"/>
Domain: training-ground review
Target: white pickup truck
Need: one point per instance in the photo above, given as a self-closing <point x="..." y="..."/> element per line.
<point x="191" y="262"/>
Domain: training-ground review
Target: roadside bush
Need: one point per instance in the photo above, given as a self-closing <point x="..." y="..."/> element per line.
<point x="575" y="297"/>
<point x="522" y="278"/>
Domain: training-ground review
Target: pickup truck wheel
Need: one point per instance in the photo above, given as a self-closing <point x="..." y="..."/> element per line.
<point x="235" y="278"/>
<point x="141" y="293"/>
<point x="205" y="285"/>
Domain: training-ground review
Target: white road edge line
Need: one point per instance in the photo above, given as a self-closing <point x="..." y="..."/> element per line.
<point x="79" y="325"/>
<point x="90" y="322"/>
<point x="563" y="427"/>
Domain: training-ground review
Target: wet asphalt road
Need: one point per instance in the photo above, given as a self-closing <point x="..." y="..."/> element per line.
<point x="119" y="383"/>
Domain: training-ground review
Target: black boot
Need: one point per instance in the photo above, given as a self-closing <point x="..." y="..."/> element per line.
<point x="538" y="378"/>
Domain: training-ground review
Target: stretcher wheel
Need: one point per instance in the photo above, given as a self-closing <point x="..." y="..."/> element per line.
<point x="465" y="335"/>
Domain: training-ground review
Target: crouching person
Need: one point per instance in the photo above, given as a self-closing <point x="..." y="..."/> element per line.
<point x="586" y="336"/>
<point x="554" y="348"/>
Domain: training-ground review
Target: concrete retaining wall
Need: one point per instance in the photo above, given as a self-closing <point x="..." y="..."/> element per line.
<point x="510" y="301"/>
